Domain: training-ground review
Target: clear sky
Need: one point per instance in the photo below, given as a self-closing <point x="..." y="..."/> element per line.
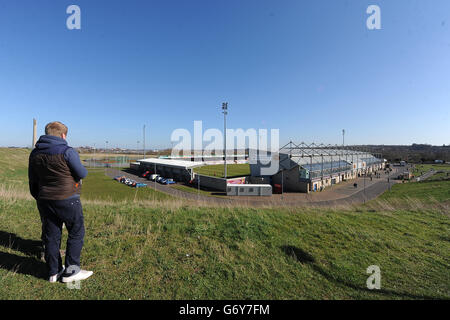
<point x="308" y="68"/>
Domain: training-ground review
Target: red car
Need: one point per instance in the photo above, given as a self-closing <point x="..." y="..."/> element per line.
<point x="145" y="174"/>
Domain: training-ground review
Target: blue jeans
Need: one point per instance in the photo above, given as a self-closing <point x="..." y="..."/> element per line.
<point x="53" y="214"/>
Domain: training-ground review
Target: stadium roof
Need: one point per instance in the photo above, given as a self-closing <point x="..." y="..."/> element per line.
<point x="217" y="156"/>
<point x="173" y="163"/>
<point x="337" y="157"/>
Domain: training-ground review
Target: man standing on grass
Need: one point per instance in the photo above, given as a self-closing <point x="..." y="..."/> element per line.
<point x="55" y="172"/>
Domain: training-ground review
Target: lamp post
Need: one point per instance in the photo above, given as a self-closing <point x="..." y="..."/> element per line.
<point x="106" y="150"/>
<point x="389" y="182"/>
<point x="94" y="156"/>
<point x="225" y="112"/>
<point x="365" y="173"/>
<point x="143" y="144"/>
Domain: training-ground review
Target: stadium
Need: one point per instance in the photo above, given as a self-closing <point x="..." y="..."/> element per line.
<point x="313" y="167"/>
<point x="301" y="168"/>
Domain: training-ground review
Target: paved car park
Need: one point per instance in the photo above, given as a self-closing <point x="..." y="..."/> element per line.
<point x="341" y="194"/>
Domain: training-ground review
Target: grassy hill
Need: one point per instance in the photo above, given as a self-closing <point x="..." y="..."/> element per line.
<point x="424" y="191"/>
<point x="155" y="247"/>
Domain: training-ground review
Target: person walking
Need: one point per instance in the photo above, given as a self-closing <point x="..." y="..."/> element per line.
<point x="54" y="173"/>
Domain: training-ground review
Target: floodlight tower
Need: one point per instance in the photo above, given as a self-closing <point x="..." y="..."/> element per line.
<point x="225" y="112"/>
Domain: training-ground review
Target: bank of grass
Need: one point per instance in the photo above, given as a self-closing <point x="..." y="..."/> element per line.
<point x="443" y="170"/>
<point x="233" y="170"/>
<point x="192" y="189"/>
<point x="440" y="176"/>
<point x="98" y="186"/>
<point x="14" y="167"/>
<point x="425" y="191"/>
<point x="172" y="249"/>
<point x="140" y="252"/>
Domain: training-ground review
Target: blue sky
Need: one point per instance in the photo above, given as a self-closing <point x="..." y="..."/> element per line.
<point x="308" y="68"/>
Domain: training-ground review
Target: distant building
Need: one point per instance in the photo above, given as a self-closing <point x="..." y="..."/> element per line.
<point x="178" y="170"/>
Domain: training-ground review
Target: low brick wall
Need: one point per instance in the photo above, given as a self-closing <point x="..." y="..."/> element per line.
<point x="214" y="183"/>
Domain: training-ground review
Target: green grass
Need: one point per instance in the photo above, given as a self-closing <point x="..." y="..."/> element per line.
<point x="14" y="167"/>
<point x="170" y="249"/>
<point x="440" y="176"/>
<point x="192" y="189"/>
<point x="425" y="191"/>
<point x="233" y="170"/>
<point x="443" y="169"/>
<point x="98" y="186"/>
<point x="218" y="253"/>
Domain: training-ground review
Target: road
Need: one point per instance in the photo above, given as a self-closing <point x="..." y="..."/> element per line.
<point x="338" y="195"/>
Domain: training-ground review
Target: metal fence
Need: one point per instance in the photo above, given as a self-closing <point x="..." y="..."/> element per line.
<point x="110" y="162"/>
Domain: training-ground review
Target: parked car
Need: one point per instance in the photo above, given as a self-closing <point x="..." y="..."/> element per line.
<point x="159" y="178"/>
<point x="169" y="181"/>
<point x="162" y="181"/>
<point x="129" y="182"/>
<point x="140" y="184"/>
<point x="153" y="177"/>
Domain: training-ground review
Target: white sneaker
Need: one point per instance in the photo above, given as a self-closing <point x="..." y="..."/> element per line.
<point x="81" y="275"/>
<point x="56" y="277"/>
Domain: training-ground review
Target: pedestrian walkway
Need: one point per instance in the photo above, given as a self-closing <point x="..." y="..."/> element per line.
<point x="426" y="175"/>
